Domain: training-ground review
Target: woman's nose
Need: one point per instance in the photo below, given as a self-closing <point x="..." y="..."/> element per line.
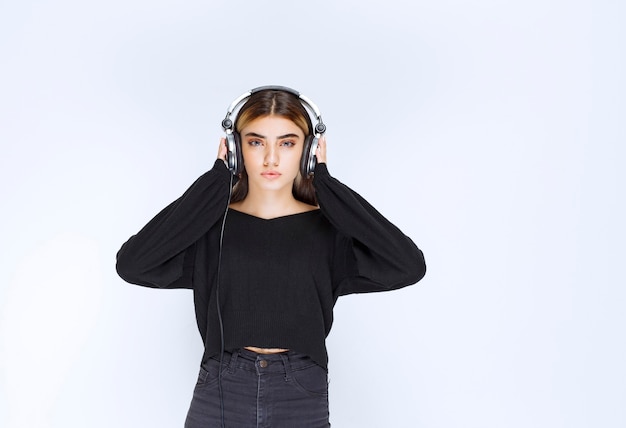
<point x="271" y="157"/>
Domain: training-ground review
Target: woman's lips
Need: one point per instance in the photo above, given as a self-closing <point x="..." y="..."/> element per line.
<point x="271" y="174"/>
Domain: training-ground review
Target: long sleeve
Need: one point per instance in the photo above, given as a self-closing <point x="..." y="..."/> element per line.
<point x="379" y="256"/>
<point x="161" y="254"/>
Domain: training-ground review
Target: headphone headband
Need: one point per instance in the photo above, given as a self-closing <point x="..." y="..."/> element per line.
<point x="227" y="123"/>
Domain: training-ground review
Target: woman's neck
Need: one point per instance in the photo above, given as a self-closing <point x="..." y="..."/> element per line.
<point x="269" y="205"/>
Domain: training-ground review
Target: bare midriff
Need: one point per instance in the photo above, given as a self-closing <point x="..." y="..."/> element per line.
<point x="265" y="350"/>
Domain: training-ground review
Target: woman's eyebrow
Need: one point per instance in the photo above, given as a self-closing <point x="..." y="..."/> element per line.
<point x="288" y="136"/>
<point x="254" y="134"/>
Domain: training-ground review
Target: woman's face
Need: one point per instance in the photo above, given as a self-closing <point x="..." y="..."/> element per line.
<point x="272" y="148"/>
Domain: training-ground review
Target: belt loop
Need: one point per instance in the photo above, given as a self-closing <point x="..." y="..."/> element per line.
<point x="233" y="361"/>
<point x="286" y="365"/>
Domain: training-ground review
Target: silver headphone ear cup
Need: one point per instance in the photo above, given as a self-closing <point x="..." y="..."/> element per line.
<point x="233" y="153"/>
<point x="309" y="160"/>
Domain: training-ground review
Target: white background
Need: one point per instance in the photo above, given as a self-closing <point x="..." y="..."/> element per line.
<point x="491" y="132"/>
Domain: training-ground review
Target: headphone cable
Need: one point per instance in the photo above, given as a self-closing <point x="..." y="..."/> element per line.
<point x="217" y="299"/>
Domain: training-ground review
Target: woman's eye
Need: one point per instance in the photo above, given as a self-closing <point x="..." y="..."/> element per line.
<point x="288" y="143"/>
<point x="254" y="143"/>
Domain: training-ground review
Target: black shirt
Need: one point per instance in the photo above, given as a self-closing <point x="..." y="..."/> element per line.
<point x="279" y="278"/>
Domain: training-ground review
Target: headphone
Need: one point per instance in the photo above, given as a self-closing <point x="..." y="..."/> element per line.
<point x="234" y="156"/>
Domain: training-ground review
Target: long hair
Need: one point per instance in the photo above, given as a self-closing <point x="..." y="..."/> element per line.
<point x="277" y="103"/>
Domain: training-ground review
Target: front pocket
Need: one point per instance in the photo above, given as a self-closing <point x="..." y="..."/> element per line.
<point x="312" y="380"/>
<point x="209" y="373"/>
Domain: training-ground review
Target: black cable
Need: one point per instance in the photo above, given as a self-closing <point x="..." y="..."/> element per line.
<point x="217" y="299"/>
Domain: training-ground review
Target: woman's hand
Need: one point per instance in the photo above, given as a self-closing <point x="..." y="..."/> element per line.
<point x="221" y="153"/>
<point x="320" y="153"/>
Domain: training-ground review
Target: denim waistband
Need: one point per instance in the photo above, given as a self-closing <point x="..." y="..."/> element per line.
<point x="283" y="362"/>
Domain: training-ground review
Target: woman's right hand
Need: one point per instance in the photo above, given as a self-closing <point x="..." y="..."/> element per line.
<point x="221" y="153"/>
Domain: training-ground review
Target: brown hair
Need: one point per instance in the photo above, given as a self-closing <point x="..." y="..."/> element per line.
<point x="278" y="103"/>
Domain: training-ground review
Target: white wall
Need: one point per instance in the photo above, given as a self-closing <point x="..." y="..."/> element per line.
<point x="492" y="132"/>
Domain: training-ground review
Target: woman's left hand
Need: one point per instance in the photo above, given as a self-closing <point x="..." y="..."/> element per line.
<point x="320" y="153"/>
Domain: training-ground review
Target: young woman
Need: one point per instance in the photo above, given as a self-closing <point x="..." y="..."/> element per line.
<point x="267" y="264"/>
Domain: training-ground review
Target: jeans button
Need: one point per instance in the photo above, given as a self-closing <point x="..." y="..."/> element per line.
<point x="263" y="364"/>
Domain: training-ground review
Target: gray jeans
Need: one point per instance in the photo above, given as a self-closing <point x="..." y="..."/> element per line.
<point x="286" y="390"/>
